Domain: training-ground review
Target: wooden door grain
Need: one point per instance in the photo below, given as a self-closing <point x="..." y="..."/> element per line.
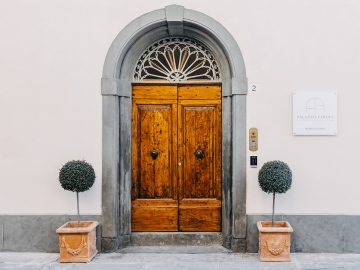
<point x="154" y="128"/>
<point x="200" y="174"/>
<point x="177" y="189"/>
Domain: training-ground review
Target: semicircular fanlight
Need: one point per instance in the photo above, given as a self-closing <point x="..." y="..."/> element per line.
<point x="177" y="60"/>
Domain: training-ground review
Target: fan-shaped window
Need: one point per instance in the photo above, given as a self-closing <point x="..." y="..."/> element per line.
<point x="177" y="60"/>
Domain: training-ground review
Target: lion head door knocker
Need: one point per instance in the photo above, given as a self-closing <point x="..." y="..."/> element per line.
<point x="154" y="154"/>
<point x="199" y="154"/>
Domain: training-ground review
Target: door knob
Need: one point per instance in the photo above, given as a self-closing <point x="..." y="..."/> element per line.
<point x="199" y="153"/>
<point x="154" y="154"/>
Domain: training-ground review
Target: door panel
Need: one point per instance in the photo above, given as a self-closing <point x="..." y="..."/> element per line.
<point x="154" y="196"/>
<point x="154" y="215"/>
<point x="154" y="92"/>
<point x="178" y="189"/>
<point x="197" y="136"/>
<point x="199" y="92"/>
<point x="200" y="219"/>
<point x="200" y="176"/>
<point x="154" y="127"/>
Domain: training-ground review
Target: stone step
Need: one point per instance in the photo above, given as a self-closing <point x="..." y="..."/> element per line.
<point x="176" y="249"/>
<point x="176" y="238"/>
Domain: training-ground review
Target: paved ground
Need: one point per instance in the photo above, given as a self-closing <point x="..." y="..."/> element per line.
<point x="161" y="258"/>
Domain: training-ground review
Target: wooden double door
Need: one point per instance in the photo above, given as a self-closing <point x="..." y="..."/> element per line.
<point x="176" y="158"/>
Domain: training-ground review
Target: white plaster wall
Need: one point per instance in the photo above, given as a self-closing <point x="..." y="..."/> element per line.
<point x="52" y="54"/>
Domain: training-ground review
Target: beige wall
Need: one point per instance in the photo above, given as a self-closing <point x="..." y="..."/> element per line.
<point x="52" y="54"/>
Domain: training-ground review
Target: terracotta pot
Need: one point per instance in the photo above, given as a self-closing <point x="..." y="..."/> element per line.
<point x="77" y="244"/>
<point x="274" y="242"/>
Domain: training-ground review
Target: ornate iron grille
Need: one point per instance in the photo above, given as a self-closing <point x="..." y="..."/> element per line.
<point x="177" y="60"/>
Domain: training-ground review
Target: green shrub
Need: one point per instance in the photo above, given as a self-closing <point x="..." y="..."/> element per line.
<point x="77" y="176"/>
<point x="275" y="176"/>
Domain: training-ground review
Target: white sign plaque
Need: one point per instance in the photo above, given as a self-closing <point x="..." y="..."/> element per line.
<point x="315" y="113"/>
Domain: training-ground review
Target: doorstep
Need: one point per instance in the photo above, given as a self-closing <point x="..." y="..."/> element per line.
<point x="176" y="249"/>
<point x="176" y="238"/>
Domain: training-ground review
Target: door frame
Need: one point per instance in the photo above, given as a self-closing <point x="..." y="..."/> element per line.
<point x="116" y="110"/>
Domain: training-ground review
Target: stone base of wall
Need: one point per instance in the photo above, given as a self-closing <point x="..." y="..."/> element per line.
<point x="312" y="234"/>
<point x="36" y="233"/>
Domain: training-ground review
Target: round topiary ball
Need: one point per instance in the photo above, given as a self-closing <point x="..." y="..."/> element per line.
<point x="275" y="176"/>
<point x="77" y="176"/>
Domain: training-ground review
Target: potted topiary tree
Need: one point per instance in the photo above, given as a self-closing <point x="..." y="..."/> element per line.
<point x="274" y="237"/>
<point x="77" y="238"/>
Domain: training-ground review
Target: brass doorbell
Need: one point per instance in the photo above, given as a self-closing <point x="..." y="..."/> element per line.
<point x="253" y="139"/>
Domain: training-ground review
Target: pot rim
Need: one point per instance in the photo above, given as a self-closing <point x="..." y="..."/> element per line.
<point x="286" y="228"/>
<point x="66" y="229"/>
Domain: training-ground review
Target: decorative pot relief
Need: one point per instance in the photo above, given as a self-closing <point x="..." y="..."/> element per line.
<point x="274" y="242"/>
<point x="276" y="250"/>
<point x="74" y="252"/>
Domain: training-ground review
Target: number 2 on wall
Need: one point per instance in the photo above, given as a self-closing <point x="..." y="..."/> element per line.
<point x="254" y="88"/>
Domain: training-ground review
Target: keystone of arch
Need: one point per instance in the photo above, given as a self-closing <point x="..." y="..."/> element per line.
<point x="175" y="18"/>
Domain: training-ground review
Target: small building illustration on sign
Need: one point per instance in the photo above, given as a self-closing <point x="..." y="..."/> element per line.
<point x="315" y="105"/>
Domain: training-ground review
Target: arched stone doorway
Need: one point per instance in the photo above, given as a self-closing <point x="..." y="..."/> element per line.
<point x="116" y="91"/>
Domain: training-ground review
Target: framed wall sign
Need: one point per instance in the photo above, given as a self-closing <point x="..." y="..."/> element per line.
<point x="315" y="113"/>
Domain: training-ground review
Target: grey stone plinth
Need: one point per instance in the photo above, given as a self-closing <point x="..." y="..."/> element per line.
<point x="1" y="231"/>
<point x="109" y="244"/>
<point x="35" y="233"/>
<point x="313" y="233"/>
<point x="317" y="233"/>
<point x="238" y="245"/>
<point x="352" y="234"/>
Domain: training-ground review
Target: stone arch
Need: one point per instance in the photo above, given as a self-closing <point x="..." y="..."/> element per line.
<point x="116" y="137"/>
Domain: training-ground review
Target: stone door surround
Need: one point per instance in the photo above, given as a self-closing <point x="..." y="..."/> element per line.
<point x="116" y="88"/>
